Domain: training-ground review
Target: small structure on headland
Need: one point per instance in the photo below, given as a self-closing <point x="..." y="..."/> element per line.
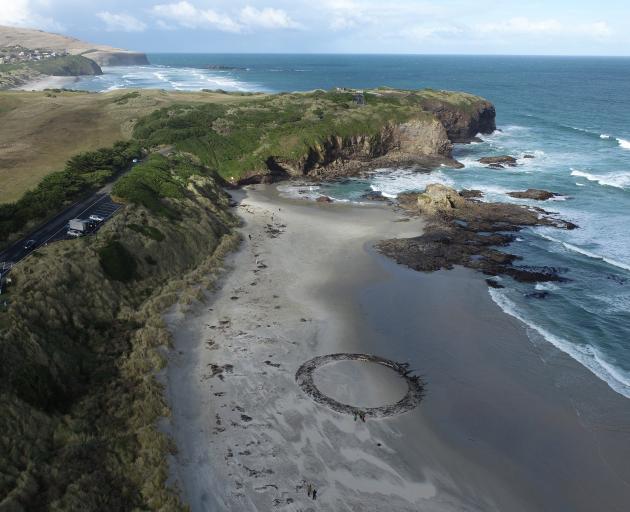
<point x="359" y="98"/>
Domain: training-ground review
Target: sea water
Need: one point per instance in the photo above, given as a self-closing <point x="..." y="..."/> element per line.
<point x="571" y="113"/>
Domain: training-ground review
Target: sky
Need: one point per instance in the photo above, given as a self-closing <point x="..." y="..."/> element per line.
<point x="529" y="27"/>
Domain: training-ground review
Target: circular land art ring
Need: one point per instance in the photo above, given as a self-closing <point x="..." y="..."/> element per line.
<point x="413" y="397"/>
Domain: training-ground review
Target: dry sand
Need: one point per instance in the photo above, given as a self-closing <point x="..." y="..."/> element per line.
<point x="501" y="427"/>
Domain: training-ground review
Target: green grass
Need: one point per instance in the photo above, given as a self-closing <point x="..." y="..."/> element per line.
<point x="148" y="231"/>
<point x="83" y="173"/>
<point x="236" y="140"/>
<point x="158" y="178"/>
<point x="68" y="65"/>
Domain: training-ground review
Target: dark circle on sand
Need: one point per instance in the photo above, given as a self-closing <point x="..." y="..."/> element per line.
<point x="413" y="397"/>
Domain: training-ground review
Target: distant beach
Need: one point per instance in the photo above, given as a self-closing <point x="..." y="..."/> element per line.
<point x="48" y="82"/>
<point x="506" y="424"/>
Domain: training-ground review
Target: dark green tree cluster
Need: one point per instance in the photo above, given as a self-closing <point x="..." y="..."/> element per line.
<point x="83" y="173"/>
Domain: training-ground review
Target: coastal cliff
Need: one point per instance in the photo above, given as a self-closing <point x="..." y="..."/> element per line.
<point x="57" y="55"/>
<point x="322" y="133"/>
<point x="116" y="57"/>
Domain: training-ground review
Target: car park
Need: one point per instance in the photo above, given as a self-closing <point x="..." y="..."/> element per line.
<point x="74" y="233"/>
<point x="29" y="245"/>
<point x="96" y="218"/>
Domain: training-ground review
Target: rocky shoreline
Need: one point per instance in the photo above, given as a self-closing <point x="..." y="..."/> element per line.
<point x="463" y="231"/>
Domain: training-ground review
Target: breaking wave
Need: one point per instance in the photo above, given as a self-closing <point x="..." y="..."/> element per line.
<point x="586" y="355"/>
<point x="613" y="179"/>
<point x="587" y="253"/>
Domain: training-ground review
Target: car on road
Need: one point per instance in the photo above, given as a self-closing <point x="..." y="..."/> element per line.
<point x="96" y="218"/>
<point x="74" y="233"/>
<point x="29" y="245"/>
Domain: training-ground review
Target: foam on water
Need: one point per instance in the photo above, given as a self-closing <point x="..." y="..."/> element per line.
<point x="586" y="252"/>
<point x="613" y="179"/>
<point x="625" y="144"/>
<point x="391" y="182"/>
<point x="586" y="355"/>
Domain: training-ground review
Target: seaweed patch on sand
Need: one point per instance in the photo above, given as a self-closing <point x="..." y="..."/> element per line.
<point x="413" y="397"/>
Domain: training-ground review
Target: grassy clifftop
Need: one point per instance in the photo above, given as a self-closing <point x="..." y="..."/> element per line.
<point x="239" y="140"/>
<point x="82" y="342"/>
<point x="12" y="75"/>
<point x="40" y="131"/>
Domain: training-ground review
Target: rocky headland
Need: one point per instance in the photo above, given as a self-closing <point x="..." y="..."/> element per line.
<point x="76" y="57"/>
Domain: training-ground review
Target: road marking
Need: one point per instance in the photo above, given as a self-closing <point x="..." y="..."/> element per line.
<point x="81" y="213"/>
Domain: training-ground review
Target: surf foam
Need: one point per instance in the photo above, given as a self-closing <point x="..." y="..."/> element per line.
<point x="586" y="355"/>
<point x="613" y="179"/>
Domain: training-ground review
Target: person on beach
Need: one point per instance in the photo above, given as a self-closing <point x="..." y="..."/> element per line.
<point x="314" y="493"/>
<point x="309" y="490"/>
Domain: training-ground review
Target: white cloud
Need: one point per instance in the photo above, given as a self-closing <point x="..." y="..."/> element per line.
<point x="187" y="15"/>
<point x="23" y="13"/>
<point x="121" y="22"/>
<point x="346" y="14"/>
<point x="433" y="31"/>
<point x="267" y="18"/>
<point x="546" y="27"/>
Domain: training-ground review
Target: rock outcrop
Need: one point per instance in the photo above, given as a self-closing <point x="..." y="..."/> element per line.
<point x="533" y="193"/>
<point x="463" y="123"/>
<point x="423" y="142"/>
<point x="498" y="161"/>
<point x="466" y="232"/>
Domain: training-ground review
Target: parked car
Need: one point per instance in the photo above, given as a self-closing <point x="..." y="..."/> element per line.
<point x="96" y="218"/>
<point x="29" y="245"/>
<point x="74" y="233"/>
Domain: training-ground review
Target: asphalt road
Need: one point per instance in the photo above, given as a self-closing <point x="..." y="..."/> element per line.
<point x="99" y="204"/>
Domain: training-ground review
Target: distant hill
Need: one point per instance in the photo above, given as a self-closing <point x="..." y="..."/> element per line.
<point x="103" y="55"/>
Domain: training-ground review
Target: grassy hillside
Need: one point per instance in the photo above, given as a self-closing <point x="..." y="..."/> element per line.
<point x="40" y="131"/>
<point x="238" y="140"/>
<point x="67" y="65"/>
<point x="84" y="338"/>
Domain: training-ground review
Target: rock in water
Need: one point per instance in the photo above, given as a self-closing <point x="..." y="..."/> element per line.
<point x="498" y="160"/>
<point x="462" y="231"/>
<point x="533" y="193"/>
<point x="471" y="194"/>
<point x="374" y="195"/>
<point x="324" y="199"/>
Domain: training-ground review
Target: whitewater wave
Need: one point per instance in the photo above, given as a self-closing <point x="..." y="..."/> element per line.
<point x="586" y="252"/>
<point x="390" y="183"/>
<point x="586" y="355"/>
<point x="165" y="77"/>
<point x="625" y="144"/>
<point x="613" y="179"/>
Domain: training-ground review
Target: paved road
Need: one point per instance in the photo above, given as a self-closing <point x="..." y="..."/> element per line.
<point x="99" y="203"/>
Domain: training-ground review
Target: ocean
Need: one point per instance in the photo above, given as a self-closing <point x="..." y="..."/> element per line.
<point x="571" y="113"/>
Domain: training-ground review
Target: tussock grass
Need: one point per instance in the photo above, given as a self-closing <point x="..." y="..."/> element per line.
<point x="79" y="396"/>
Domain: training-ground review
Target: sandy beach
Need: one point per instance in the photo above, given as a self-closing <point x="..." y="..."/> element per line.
<point x="507" y="423"/>
<point x="48" y="82"/>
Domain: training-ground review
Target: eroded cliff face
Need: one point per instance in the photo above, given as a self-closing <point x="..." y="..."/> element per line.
<point x="117" y="58"/>
<point x="422" y="141"/>
<point x="464" y="123"/>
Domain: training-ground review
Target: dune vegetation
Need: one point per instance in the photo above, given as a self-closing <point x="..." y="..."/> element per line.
<point x="83" y="341"/>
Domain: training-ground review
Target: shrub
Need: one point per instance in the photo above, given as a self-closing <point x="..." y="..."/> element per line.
<point x="148" y="231"/>
<point x="83" y="173"/>
<point x="117" y="262"/>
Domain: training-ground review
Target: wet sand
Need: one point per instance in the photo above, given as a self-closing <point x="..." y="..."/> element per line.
<point x="508" y="422"/>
